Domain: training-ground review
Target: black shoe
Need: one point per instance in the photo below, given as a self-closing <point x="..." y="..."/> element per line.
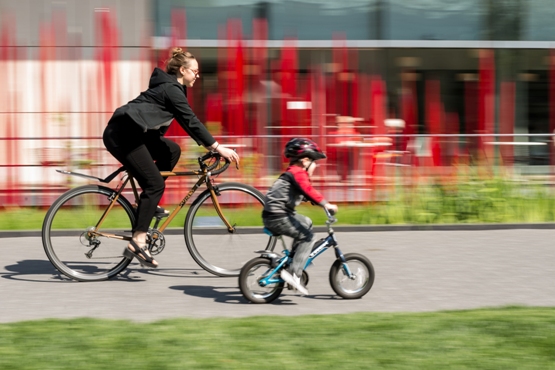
<point x="161" y="212"/>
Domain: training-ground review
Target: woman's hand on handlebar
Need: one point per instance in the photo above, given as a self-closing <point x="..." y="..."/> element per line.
<point x="229" y="154"/>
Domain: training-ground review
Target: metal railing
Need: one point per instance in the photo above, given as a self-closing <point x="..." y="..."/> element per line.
<point x="353" y="169"/>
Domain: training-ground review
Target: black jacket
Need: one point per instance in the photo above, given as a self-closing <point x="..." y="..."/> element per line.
<point x="165" y="100"/>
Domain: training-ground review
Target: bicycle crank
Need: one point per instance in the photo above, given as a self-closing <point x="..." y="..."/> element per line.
<point x="156" y="241"/>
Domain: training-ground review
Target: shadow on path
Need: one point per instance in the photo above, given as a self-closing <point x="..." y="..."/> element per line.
<point x="178" y="273"/>
<point x="222" y="294"/>
<point x="44" y="271"/>
<point x="22" y="270"/>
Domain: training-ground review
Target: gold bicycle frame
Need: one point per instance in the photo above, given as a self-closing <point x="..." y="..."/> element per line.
<point x="204" y="178"/>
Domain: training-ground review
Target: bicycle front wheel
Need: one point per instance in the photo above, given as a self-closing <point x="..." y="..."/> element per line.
<point x="363" y="276"/>
<point x="68" y="243"/>
<point x="211" y="244"/>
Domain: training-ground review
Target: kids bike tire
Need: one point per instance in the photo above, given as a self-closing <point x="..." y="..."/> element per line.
<point x="249" y="276"/>
<point x="346" y="288"/>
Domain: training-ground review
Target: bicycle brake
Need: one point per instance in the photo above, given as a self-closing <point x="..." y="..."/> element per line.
<point x="217" y="190"/>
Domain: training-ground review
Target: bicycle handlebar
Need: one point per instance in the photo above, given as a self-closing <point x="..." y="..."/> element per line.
<point x="330" y="215"/>
<point x="210" y="168"/>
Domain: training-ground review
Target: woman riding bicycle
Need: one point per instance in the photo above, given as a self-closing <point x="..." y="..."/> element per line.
<point x="134" y="136"/>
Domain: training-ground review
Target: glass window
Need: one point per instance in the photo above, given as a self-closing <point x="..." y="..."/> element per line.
<point x="539" y="24"/>
<point x="303" y="19"/>
<point x="204" y="19"/>
<point x="432" y="20"/>
<point x="320" y="20"/>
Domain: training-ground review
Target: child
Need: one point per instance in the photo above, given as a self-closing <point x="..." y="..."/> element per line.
<point x="292" y="187"/>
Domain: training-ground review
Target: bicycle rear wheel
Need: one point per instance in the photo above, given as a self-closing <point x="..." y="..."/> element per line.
<point x="211" y="245"/>
<point x="64" y="233"/>
<point x="251" y="274"/>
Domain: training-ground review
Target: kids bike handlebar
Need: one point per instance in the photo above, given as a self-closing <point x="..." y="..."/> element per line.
<point x="330" y="214"/>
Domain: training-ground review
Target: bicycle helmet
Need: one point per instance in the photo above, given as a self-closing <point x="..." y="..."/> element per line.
<point x="301" y="147"/>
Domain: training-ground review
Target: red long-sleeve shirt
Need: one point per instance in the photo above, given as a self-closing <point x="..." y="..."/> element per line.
<point x="288" y="191"/>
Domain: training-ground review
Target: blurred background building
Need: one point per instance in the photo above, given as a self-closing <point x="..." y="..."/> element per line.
<point x="390" y="88"/>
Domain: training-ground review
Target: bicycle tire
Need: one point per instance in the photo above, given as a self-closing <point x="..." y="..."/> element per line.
<point x="250" y="274"/>
<point x="66" y="247"/>
<point x="352" y="289"/>
<point x="208" y="240"/>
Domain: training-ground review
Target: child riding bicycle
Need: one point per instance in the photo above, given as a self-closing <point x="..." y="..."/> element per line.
<point x="287" y="192"/>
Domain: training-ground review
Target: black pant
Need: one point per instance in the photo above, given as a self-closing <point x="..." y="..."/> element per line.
<point x="138" y="151"/>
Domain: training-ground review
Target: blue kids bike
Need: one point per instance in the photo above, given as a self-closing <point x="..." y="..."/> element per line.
<point x="351" y="275"/>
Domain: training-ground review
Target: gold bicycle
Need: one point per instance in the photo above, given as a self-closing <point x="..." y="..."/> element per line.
<point x="83" y="230"/>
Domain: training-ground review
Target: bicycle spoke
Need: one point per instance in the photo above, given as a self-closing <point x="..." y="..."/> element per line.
<point x="69" y="238"/>
<point x="212" y="245"/>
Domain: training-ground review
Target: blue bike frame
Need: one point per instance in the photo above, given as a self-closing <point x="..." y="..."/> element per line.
<point x="317" y="250"/>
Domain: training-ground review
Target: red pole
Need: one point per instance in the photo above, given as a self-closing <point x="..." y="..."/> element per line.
<point x="288" y="88"/>
<point x="377" y="102"/>
<point x="486" y="109"/>
<point x="409" y="113"/>
<point x="507" y="120"/>
<point x="239" y="67"/>
<point x="46" y="51"/>
<point x="433" y="113"/>
<point x="340" y="60"/>
<point x="552" y="108"/>
<point x="471" y="117"/>
<point x="260" y="55"/>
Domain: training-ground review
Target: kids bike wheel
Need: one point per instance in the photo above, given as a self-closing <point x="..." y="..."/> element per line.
<point x="249" y="278"/>
<point x="363" y="276"/>
<point x="66" y="237"/>
<point x="215" y="248"/>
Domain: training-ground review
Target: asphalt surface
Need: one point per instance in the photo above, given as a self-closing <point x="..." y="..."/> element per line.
<point x="416" y="270"/>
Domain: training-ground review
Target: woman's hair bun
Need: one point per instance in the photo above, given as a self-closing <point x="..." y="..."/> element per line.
<point x="178" y="58"/>
<point x="176" y="52"/>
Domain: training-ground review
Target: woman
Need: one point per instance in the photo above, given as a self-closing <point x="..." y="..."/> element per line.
<point x="134" y="136"/>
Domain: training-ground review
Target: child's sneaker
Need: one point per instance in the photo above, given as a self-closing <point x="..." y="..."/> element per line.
<point x="294" y="281"/>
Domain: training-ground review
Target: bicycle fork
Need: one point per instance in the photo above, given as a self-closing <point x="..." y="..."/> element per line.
<point x="328" y="242"/>
<point x="344" y="265"/>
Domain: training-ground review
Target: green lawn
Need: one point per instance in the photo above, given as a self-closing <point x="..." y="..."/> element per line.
<point x="505" y="338"/>
<point x="392" y="213"/>
<point x="470" y="201"/>
<point x="31" y="218"/>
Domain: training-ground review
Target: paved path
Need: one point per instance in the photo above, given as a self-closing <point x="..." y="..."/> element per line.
<point x="415" y="271"/>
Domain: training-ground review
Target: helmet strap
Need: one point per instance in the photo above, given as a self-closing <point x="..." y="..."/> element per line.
<point x="307" y="167"/>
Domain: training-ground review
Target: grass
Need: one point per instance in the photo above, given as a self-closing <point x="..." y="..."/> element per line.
<point x="466" y="200"/>
<point x="505" y="338"/>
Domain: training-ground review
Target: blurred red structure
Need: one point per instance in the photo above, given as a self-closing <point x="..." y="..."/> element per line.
<point x="8" y="107"/>
<point x="486" y="107"/>
<point x="257" y="98"/>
